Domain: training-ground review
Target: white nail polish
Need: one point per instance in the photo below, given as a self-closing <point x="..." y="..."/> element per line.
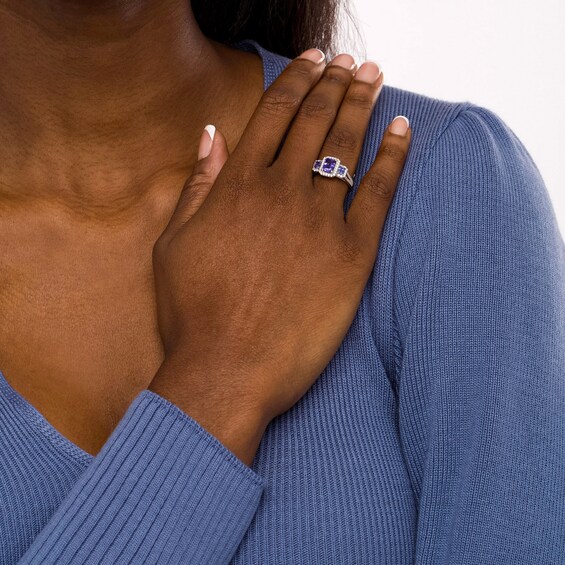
<point x="211" y="131"/>
<point x="205" y="146"/>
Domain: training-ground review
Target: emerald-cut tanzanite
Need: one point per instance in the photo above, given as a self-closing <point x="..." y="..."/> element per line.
<point x="329" y="165"/>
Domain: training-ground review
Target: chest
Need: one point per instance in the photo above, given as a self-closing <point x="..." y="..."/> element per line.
<point x="78" y="331"/>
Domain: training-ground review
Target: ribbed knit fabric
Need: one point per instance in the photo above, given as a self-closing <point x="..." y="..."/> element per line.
<point x="436" y="434"/>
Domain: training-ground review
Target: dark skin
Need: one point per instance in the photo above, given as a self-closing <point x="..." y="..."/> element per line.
<point x="102" y="105"/>
<point x="226" y="294"/>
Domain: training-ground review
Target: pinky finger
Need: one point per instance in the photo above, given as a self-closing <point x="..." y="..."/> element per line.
<point x="367" y="213"/>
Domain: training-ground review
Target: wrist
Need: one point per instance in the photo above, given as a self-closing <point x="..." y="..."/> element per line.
<point x="237" y="424"/>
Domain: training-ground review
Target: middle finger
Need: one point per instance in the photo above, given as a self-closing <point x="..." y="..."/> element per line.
<point x="316" y="114"/>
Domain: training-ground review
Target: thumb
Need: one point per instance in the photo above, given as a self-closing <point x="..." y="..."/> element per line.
<point x="212" y="156"/>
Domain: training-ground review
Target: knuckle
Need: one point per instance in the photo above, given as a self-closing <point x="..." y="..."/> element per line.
<point x="359" y="99"/>
<point x="344" y="139"/>
<point x="394" y="152"/>
<point x="317" y="106"/>
<point x="198" y="182"/>
<point x="195" y="182"/>
<point x="336" y="75"/>
<point x="192" y="193"/>
<point x="281" y="100"/>
<point x="300" y="68"/>
<point x="379" y="183"/>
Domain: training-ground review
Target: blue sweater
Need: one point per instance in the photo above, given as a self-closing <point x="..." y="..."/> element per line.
<point x="436" y="434"/>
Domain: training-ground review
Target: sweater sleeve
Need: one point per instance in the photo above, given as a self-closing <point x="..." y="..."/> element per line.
<point x="480" y="352"/>
<point x="161" y="490"/>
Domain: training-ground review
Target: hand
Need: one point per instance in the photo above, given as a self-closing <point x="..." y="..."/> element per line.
<point x="259" y="275"/>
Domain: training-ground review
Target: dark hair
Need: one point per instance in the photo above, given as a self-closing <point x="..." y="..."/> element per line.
<point x="287" y="27"/>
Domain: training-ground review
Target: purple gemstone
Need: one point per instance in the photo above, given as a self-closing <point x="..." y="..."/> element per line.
<point x="317" y="164"/>
<point x="328" y="165"/>
<point x="341" y="170"/>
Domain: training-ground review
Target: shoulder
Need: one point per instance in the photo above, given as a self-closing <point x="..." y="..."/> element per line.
<point x="471" y="213"/>
<point x="458" y="138"/>
<point x="468" y="177"/>
<point x="480" y="248"/>
<point x="470" y="227"/>
<point x="462" y="157"/>
<point x="465" y="164"/>
<point x="475" y="262"/>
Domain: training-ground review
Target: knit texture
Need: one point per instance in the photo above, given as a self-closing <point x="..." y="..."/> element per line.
<point x="436" y="434"/>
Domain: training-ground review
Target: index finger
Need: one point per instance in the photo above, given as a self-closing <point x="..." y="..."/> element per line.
<point x="278" y="106"/>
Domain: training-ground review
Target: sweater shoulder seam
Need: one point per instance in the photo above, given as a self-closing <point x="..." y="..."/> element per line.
<point x="396" y="341"/>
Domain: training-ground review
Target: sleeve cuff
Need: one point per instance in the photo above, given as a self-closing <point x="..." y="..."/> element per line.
<point x="162" y="486"/>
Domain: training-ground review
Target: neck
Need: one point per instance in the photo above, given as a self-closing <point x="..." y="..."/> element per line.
<point x="101" y="97"/>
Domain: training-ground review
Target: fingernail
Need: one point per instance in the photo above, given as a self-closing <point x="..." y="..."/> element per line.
<point x="314" y="55"/>
<point x="399" y="126"/>
<point x="344" y="60"/>
<point x="368" y="72"/>
<point x="206" y="141"/>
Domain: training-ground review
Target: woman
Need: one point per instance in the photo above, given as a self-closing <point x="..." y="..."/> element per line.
<point x="220" y="370"/>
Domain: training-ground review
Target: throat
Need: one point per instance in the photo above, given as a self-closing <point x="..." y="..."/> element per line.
<point x="99" y="100"/>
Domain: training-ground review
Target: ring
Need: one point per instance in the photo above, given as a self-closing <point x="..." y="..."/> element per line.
<point x="331" y="167"/>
